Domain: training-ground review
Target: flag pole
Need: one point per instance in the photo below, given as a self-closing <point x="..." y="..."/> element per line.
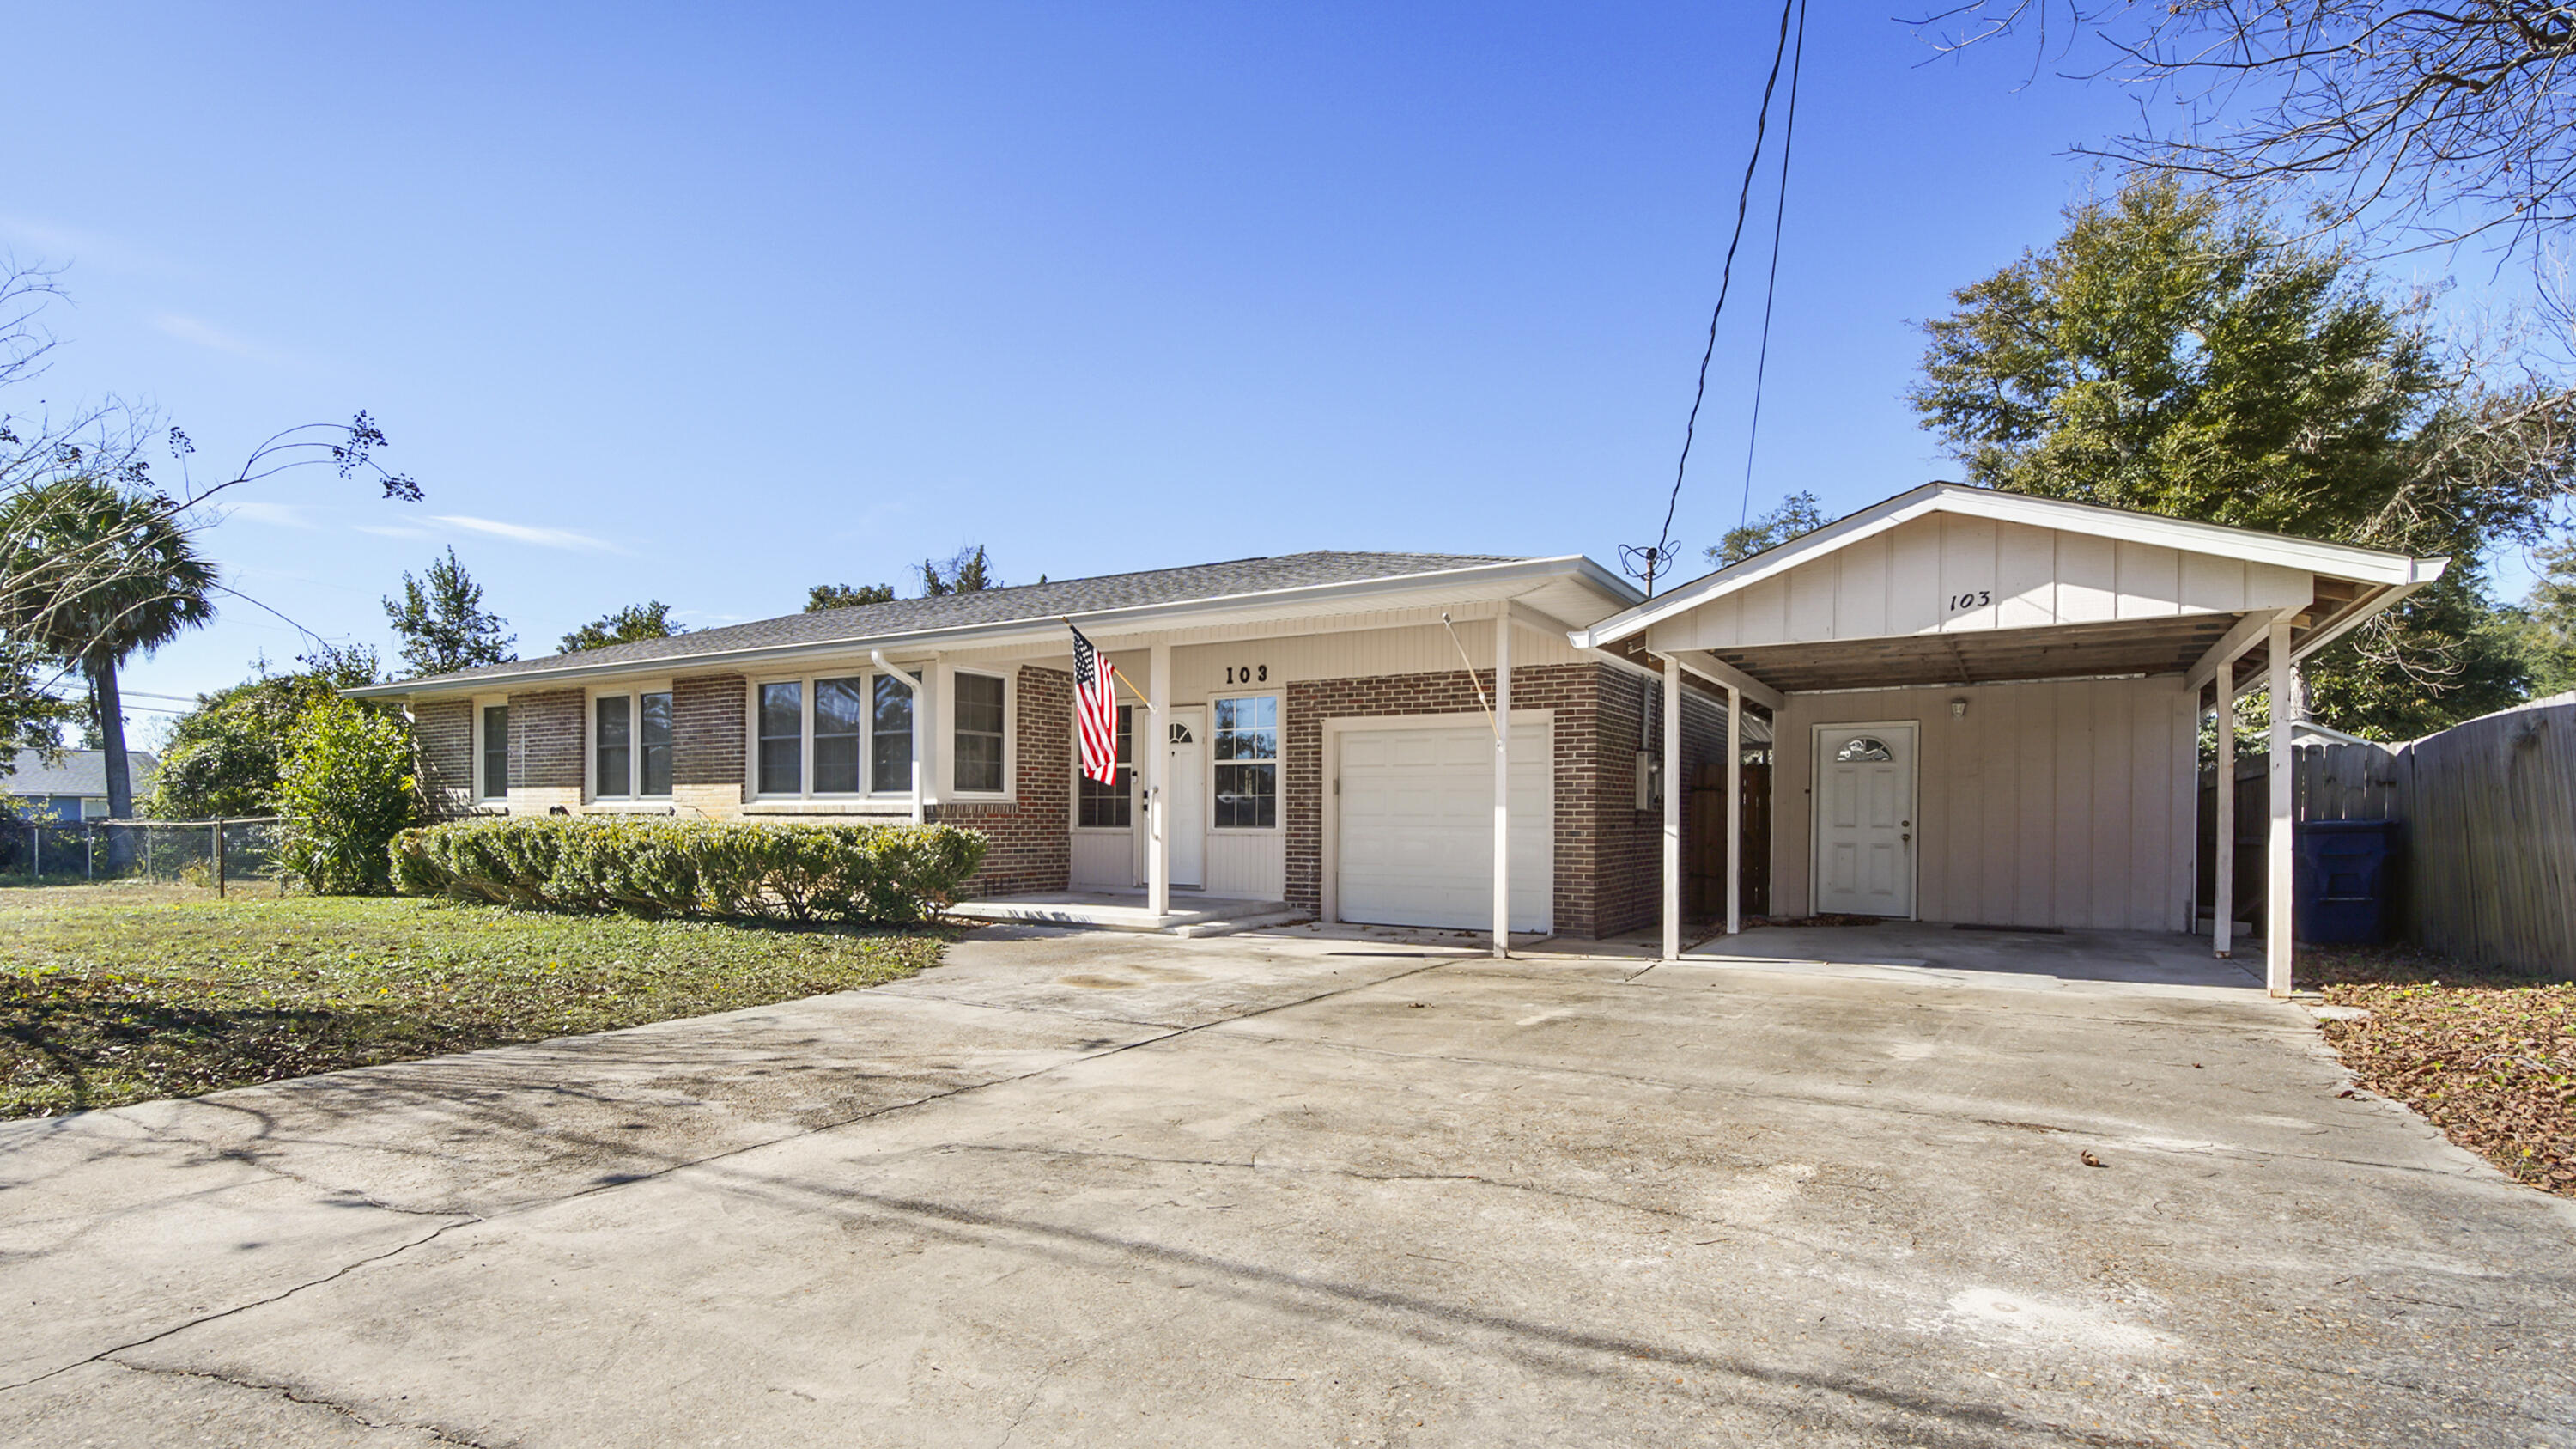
<point x="1114" y="671"/>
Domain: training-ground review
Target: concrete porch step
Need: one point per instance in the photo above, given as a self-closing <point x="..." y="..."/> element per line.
<point x="1121" y="911"/>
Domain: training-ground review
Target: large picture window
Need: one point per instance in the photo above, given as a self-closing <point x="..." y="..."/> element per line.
<point x="1247" y="762"/>
<point x="852" y="735"/>
<point x="495" y="781"/>
<point x="630" y="744"/>
<point x="979" y="732"/>
<point x="1109" y="807"/>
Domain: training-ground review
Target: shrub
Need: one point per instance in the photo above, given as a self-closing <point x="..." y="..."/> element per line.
<point x="894" y="874"/>
<point x="346" y="791"/>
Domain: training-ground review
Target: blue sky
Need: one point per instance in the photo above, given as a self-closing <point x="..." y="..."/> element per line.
<point x="710" y="305"/>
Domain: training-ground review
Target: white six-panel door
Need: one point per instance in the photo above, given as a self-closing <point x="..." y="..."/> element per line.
<point x="1865" y="819"/>
<point x="1413" y="844"/>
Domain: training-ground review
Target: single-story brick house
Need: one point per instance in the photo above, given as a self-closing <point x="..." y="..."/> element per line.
<point x="1984" y="708"/>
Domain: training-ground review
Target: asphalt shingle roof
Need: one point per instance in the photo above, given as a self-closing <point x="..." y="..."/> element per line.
<point x="1027" y="602"/>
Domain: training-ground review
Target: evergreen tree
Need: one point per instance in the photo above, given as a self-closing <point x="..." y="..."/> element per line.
<point x="2172" y="356"/>
<point x="963" y="572"/>
<point x="846" y="596"/>
<point x="443" y="623"/>
<point x="651" y="620"/>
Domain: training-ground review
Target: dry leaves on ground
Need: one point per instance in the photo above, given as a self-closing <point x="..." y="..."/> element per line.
<point x="2488" y="1058"/>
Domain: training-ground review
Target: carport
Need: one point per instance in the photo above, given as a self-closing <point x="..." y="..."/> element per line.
<point x="1986" y="706"/>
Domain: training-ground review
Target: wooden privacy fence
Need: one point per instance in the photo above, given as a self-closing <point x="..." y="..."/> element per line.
<point x="2490" y="812"/>
<point x="2488" y="869"/>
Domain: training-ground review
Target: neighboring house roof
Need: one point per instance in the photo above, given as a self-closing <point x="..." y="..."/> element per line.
<point x="1084" y="600"/>
<point x="2397" y="573"/>
<point x="77" y="772"/>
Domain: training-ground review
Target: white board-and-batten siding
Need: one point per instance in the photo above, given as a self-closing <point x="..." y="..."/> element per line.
<point x="2065" y="803"/>
<point x="1948" y="572"/>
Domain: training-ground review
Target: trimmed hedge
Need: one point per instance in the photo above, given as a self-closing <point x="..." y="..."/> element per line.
<point x="892" y="874"/>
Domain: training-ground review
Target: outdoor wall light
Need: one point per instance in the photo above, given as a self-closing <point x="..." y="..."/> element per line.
<point x="1958" y="709"/>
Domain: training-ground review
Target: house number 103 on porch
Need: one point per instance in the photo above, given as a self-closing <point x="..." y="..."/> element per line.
<point x="1247" y="674"/>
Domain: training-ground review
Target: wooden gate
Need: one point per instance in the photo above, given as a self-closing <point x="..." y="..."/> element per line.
<point x="1705" y="875"/>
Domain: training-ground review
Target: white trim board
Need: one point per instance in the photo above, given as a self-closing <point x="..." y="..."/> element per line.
<point x="2335" y="560"/>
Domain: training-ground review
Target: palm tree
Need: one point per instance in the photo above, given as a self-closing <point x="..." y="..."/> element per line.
<point x="98" y="572"/>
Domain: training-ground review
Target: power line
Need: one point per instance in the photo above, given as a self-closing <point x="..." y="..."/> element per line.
<point x="1659" y="554"/>
<point x="1771" y="288"/>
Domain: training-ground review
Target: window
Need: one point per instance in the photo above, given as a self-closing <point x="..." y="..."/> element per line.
<point x="1247" y="762"/>
<point x="614" y="743"/>
<point x="839" y="712"/>
<point x="782" y="738"/>
<point x="851" y="735"/>
<point x="1862" y="750"/>
<point x="1109" y="807"/>
<point x="630" y="745"/>
<point x="890" y="737"/>
<point x="653" y="745"/>
<point x="979" y="732"/>
<point x="496" y="752"/>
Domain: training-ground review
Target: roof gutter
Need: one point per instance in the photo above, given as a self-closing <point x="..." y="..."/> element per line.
<point x="1102" y="622"/>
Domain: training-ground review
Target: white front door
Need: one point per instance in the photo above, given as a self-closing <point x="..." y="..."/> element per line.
<point x="1415" y="841"/>
<point x="1865" y="819"/>
<point x="1185" y="776"/>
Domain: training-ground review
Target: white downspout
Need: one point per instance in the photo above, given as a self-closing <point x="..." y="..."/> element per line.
<point x="919" y="813"/>
<point x="1734" y="810"/>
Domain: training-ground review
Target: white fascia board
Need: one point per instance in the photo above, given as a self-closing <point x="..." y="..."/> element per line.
<point x="1270" y="604"/>
<point x="1875" y="519"/>
<point x="2385" y="601"/>
<point x="2335" y="560"/>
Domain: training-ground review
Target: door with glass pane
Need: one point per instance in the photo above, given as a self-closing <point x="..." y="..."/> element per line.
<point x="1865" y="819"/>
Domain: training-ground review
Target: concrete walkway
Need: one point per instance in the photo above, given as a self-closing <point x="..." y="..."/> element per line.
<point x="1302" y="1189"/>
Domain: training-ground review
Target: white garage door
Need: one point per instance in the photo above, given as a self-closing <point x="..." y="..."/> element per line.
<point x="1415" y="841"/>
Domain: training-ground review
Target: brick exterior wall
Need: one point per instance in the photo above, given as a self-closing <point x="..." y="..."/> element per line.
<point x="1609" y="854"/>
<point x="442" y="738"/>
<point x="1032" y="839"/>
<point x="545" y="740"/>
<point x="708" y="727"/>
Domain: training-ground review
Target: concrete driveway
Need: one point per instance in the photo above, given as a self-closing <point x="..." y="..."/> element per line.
<point x="1303" y="1189"/>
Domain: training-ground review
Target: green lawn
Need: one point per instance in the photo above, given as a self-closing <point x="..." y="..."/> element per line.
<point x="113" y="994"/>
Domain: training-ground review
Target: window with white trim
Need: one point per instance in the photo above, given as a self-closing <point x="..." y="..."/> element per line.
<point x="978" y="732"/>
<point x="1246" y="750"/>
<point x="492" y="752"/>
<point x="838" y="735"/>
<point x="1109" y="807"/>
<point x="781" y="768"/>
<point x="630" y="745"/>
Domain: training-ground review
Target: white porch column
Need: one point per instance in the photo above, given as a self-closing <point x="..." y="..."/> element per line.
<point x="1734" y="810"/>
<point x="2279" y="906"/>
<point x="1672" y="808"/>
<point x="1158" y="769"/>
<point x="2222" y="885"/>
<point x="1503" y="781"/>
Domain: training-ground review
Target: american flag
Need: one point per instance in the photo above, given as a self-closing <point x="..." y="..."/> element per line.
<point x="1096" y="707"/>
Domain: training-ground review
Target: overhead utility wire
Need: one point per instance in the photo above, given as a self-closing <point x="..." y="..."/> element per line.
<point x="1771" y="288"/>
<point x="1659" y="554"/>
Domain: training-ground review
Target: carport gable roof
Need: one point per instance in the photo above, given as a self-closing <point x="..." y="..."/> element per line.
<point x="1102" y="605"/>
<point x="2332" y="587"/>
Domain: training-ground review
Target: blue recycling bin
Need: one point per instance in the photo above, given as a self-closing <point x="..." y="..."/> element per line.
<point x="2347" y="875"/>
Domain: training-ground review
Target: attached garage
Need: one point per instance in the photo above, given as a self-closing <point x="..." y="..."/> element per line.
<point x="1413" y="822"/>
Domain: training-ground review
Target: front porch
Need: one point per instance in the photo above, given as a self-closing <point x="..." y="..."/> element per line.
<point x="1189" y="913"/>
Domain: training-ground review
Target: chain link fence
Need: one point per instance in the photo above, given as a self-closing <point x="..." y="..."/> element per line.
<point x="220" y="855"/>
